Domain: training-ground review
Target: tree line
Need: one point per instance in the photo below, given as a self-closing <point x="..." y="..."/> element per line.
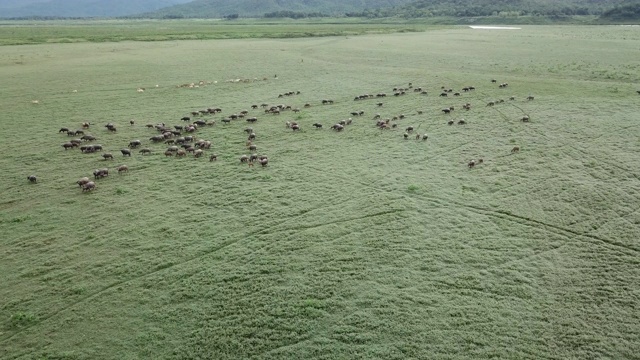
<point x="477" y="8"/>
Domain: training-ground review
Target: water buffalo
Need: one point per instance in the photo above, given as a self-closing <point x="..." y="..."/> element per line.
<point x="88" y="186"/>
<point x="100" y="173"/>
<point x="83" y="181"/>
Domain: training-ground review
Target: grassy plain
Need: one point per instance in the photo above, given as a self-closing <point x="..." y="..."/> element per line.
<point x="351" y="245"/>
<point x="73" y="31"/>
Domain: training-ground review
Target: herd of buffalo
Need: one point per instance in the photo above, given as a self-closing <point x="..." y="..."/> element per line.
<point x="183" y="140"/>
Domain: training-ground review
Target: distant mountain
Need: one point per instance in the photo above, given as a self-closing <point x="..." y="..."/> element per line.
<point x="80" y="8"/>
<point x="614" y="9"/>
<point x="12" y="4"/>
<point x="220" y="8"/>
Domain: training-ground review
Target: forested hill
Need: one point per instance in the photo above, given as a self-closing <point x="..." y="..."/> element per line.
<point x="257" y="8"/>
<point x="623" y="13"/>
<point x="467" y="8"/>
<point x="610" y="10"/>
<point x="386" y="8"/>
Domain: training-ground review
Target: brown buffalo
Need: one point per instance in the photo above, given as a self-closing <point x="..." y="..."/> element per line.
<point x="88" y="186"/>
<point x="83" y="181"/>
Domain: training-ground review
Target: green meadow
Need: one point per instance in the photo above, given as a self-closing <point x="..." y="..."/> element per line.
<point x="357" y="244"/>
<point x="73" y="31"/>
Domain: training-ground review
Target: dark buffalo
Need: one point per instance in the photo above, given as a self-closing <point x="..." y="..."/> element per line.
<point x="134" y="143"/>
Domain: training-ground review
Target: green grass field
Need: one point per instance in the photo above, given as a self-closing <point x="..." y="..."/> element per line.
<point x="348" y="245"/>
<point x="74" y="31"/>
